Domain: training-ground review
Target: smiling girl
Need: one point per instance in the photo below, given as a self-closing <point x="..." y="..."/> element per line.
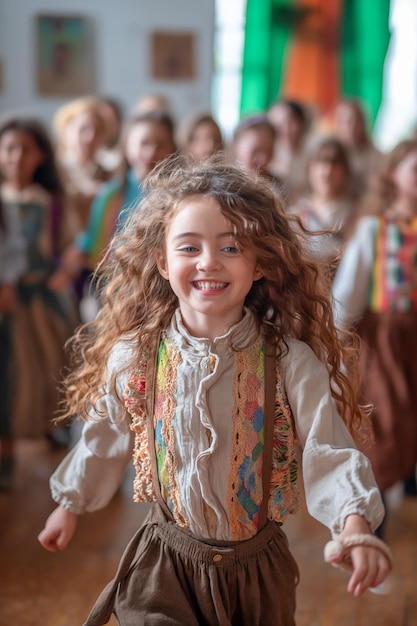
<point x="209" y="362"/>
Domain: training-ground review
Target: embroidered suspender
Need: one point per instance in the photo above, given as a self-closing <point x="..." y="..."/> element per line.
<point x="269" y="417"/>
<point x="150" y="399"/>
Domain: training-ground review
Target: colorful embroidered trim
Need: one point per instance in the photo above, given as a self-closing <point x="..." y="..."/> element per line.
<point x="394" y="271"/>
<point x="135" y="402"/>
<point x="245" y="477"/>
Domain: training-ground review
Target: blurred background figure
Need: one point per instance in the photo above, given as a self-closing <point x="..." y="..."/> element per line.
<point x="253" y="147"/>
<point x="152" y="102"/>
<point x="147" y="139"/>
<point x="330" y="201"/>
<point x="81" y="132"/>
<point x="200" y="136"/>
<point x="350" y="125"/>
<point x="291" y="122"/>
<point x="375" y="292"/>
<point x="12" y="266"/>
<point x="110" y="156"/>
<point x="44" y="316"/>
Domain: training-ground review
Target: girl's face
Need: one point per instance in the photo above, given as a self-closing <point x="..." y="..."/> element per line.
<point x="84" y="135"/>
<point x="289" y="127"/>
<point x="254" y="149"/>
<point x="404" y="177"/>
<point x="147" y="144"/>
<point x="327" y="177"/>
<point x="207" y="269"/>
<point x="350" y="124"/>
<point x="20" y="157"/>
<point x="205" y="141"/>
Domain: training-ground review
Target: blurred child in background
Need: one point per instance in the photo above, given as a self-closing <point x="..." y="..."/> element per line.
<point x="44" y="318"/>
<point x="253" y="147"/>
<point x="331" y="200"/>
<point x="148" y="139"/>
<point x="375" y="291"/>
<point x="201" y="137"/>
<point x="12" y="265"/>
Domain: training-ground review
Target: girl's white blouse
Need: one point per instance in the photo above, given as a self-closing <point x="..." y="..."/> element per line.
<point x="338" y="479"/>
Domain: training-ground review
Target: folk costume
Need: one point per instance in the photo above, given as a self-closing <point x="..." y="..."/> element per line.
<point x="212" y="550"/>
<point x="375" y="291"/>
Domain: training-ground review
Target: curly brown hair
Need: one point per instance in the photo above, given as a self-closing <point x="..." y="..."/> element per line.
<point x="138" y="303"/>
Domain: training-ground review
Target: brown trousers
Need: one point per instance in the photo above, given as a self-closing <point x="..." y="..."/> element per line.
<point x="168" y="578"/>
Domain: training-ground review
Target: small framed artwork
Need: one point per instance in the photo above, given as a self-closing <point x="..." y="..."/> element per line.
<point x="173" y="55"/>
<point x="64" y="55"/>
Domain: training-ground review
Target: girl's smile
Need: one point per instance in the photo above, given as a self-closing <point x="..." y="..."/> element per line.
<point x="210" y="287"/>
<point x="207" y="269"/>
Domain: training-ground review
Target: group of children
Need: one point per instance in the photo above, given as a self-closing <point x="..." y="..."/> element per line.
<point x="213" y="356"/>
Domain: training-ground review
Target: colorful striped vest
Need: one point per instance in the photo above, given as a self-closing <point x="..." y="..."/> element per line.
<point x="394" y="271"/>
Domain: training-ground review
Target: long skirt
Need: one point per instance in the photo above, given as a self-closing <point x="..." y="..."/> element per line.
<point x="389" y="375"/>
<point x="41" y="326"/>
<point x="167" y="577"/>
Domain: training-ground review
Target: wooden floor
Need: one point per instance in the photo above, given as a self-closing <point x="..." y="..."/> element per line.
<point x="38" y="588"/>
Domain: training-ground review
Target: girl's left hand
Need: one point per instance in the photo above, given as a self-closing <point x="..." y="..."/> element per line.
<point x="370" y="566"/>
<point x="370" y="569"/>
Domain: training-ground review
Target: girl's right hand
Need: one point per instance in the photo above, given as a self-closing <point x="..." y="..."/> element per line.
<point x="59" y="529"/>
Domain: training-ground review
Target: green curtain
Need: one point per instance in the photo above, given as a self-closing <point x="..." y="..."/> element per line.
<point x="365" y="38"/>
<point x="267" y="32"/>
<point x="269" y="28"/>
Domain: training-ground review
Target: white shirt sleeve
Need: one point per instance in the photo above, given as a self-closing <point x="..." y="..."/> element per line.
<point x="92" y="471"/>
<point x="352" y="281"/>
<point x="338" y="478"/>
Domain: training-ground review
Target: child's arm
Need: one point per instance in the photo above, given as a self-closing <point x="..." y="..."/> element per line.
<point x="59" y="529"/>
<point x="338" y="478"/>
<point x="352" y="281"/>
<point x="369" y="565"/>
<point x="90" y="474"/>
<point x="339" y="483"/>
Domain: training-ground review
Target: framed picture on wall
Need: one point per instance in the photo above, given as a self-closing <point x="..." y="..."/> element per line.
<point x="173" y="55"/>
<point x="64" y="55"/>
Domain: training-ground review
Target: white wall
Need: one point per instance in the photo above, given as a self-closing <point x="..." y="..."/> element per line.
<point x="122" y="31"/>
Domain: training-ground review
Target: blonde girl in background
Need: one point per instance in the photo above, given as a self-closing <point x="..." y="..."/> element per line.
<point x="80" y="129"/>
<point x="148" y="139"/>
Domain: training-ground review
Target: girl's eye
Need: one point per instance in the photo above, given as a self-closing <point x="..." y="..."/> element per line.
<point x="188" y="249"/>
<point x="231" y="249"/>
